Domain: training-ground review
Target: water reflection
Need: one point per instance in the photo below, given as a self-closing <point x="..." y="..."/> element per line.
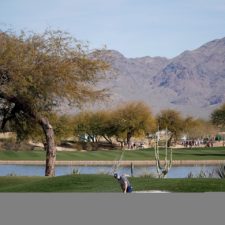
<point x="39" y="170"/>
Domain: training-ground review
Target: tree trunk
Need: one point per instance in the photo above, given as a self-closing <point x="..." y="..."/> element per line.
<point x="121" y="143"/>
<point x="50" y="147"/>
<point x="170" y="140"/>
<point x="107" y="139"/>
<point x="129" y="135"/>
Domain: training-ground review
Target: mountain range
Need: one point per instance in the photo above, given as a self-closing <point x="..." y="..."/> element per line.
<point x="192" y="83"/>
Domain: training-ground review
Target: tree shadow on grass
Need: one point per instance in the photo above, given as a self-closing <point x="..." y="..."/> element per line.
<point x="209" y="154"/>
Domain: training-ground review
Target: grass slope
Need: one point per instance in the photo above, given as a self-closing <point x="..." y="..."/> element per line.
<point x="217" y="153"/>
<point x="106" y="183"/>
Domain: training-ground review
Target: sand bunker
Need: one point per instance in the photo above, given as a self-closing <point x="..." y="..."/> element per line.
<point x="151" y="191"/>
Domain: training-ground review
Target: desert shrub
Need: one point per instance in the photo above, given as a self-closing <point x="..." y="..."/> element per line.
<point x="202" y="174"/>
<point x="220" y="171"/>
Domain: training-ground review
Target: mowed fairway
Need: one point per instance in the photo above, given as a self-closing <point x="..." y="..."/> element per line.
<point x="106" y="183"/>
<point x="217" y="153"/>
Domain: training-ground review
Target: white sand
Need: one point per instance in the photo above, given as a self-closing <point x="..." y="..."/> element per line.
<point x="151" y="191"/>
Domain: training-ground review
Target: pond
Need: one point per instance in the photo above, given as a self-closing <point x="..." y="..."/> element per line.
<point x="39" y="170"/>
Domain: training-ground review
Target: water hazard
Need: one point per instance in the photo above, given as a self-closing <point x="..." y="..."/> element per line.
<point x="39" y="170"/>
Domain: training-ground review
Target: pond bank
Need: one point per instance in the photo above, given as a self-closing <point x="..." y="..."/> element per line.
<point x="124" y="162"/>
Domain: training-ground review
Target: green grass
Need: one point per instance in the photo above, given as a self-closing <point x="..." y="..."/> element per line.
<point x="217" y="153"/>
<point x="106" y="183"/>
<point x="22" y="155"/>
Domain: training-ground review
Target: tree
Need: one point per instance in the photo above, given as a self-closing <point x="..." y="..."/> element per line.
<point x="172" y="120"/>
<point x="101" y="125"/>
<point x="62" y="125"/>
<point x="132" y="119"/>
<point x="191" y="127"/>
<point x="218" y="116"/>
<point x="94" y="124"/>
<point x="40" y="71"/>
<point x="85" y="125"/>
<point x="196" y="128"/>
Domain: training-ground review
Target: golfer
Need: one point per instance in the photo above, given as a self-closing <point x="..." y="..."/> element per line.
<point x="124" y="183"/>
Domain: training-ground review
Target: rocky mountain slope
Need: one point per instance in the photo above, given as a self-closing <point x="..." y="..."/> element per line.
<point x="193" y="82"/>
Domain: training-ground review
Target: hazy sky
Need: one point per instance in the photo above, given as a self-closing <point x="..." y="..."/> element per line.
<point x="136" y="28"/>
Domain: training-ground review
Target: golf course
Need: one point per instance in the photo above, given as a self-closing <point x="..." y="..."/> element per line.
<point x="216" y="153"/>
<point x="106" y="183"/>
